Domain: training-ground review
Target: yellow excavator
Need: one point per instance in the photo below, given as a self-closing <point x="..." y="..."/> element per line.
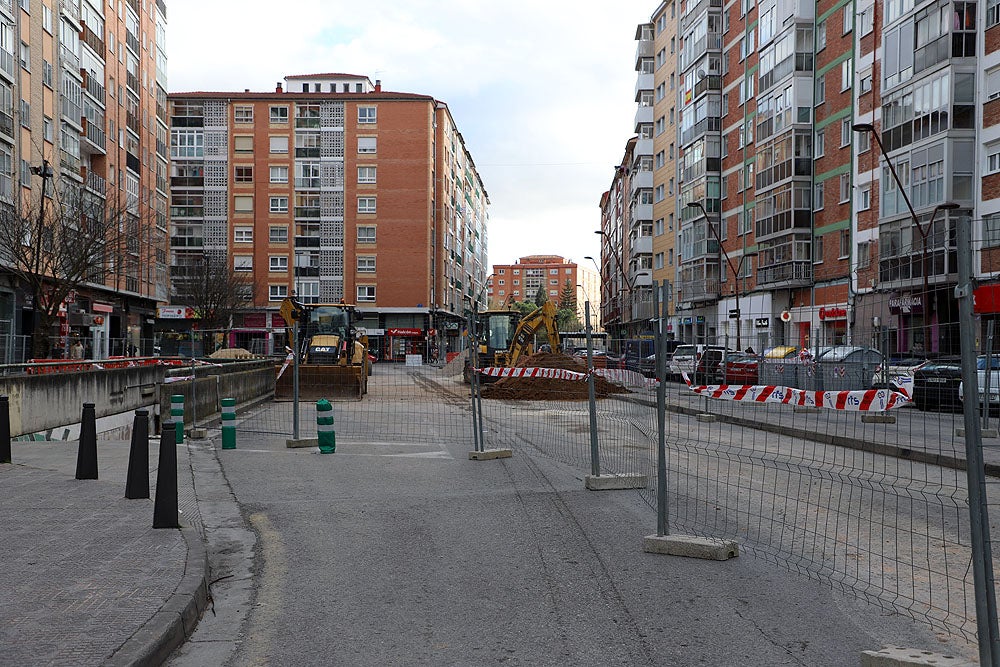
<point x="505" y="336"/>
<point x="333" y="354"/>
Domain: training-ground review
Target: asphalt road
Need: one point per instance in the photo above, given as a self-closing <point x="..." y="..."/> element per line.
<point x="400" y="551"/>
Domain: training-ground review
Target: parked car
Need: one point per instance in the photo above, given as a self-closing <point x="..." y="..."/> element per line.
<point x="739" y="368"/>
<point x="898" y="373"/>
<point x="708" y="369"/>
<point x="647" y="366"/>
<point x="984" y="375"/>
<point x="685" y="358"/>
<point x="936" y="384"/>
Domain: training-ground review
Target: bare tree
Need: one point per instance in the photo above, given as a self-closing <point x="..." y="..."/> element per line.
<point x="67" y="239"/>
<point x="215" y="291"/>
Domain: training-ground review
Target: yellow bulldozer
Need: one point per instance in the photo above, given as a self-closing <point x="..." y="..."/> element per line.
<point x="333" y="354"/>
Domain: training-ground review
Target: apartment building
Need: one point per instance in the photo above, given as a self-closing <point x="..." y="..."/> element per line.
<point x="330" y="189"/>
<point x="522" y="280"/>
<point x="825" y="154"/>
<point x="83" y="119"/>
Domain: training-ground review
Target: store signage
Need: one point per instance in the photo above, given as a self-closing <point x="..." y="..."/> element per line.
<point x="404" y="332"/>
<point x="700" y="319"/>
<point x="762" y="322"/>
<point x="832" y="313"/>
<point x="906" y="304"/>
<point x="986" y="299"/>
<point x="175" y="313"/>
<point x="686" y="320"/>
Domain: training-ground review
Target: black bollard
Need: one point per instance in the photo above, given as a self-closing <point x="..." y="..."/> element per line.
<point x="5" y="456"/>
<point x="165" y="503"/>
<point x="137" y="481"/>
<point x="86" y="456"/>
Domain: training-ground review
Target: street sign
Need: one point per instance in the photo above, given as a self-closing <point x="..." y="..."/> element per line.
<point x="734" y="313"/>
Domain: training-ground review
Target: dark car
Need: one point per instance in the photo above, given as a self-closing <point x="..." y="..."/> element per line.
<point x="936" y="383"/>
<point x="707" y="369"/>
<point x="739" y="368"/>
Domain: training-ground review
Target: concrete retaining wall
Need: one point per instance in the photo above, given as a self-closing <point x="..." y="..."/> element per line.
<point x="40" y="403"/>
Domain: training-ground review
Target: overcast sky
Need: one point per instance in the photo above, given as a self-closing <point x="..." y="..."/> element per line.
<point x="541" y="90"/>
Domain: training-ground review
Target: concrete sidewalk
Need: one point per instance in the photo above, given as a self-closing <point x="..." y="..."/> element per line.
<point x="86" y="580"/>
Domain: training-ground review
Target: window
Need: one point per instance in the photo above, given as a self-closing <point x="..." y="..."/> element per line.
<point x="277" y="292"/>
<point x="366" y="264"/>
<point x="243" y="203"/>
<point x="366" y="174"/>
<point x="47" y="128"/>
<point x="845" y="244"/>
<point x="243" y="235"/>
<point x="845" y="132"/>
<point x="366" y="234"/>
<point x="278" y="234"/>
<point x="279" y="205"/>
<point x="818" y="196"/>
<point x="367" y="115"/>
<point x="243" y="263"/>
<point x="846" y="74"/>
<point x="818" y="249"/>
<point x="864" y="256"/>
<point x="992" y="12"/>
<point x="821" y="36"/>
<point x="845" y="188"/>
<point x="820" y="89"/>
<point x="867" y="17"/>
<point x="366" y="293"/>
<point x="25" y="56"/>
<point x="864" y="199"/>
<point x="366" y="204"/>
<point x="277" y="263"/>
<point x="820" y="143"/>
<point x="243" y="143"/>
<point x="866" y="82"/>
<point x="243" y="114"/>
<point x="279" y="174"/>
<point x="993" y="159"/>
<point x="991" y="230"/>
<point x="848" y="17"/>
<point x="243" y="173"/>
<point x="367" y="145"/>
<point x="279" y="144"/>
<point x="279" y="114"/>
<point x="187" y="143"/>
<point x="47" y="73"/>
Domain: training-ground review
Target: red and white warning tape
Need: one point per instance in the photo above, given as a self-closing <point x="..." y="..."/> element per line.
<point x="288" y="360"/>
<point x="553" y="373"/>
<point x="862" y="400"/>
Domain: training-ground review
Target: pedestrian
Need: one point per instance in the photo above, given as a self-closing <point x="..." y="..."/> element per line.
<point x="76" y="350"/>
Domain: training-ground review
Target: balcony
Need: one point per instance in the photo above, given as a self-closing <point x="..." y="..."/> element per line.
<point x="643" y="114"/>
<point x="696" y="291"/>
<point x="307" y="152"/>
<point x="93" y="86"/>
<point x="643" y="82"/>
<point x="91" y="39"/>
<point x="132" y="42"/>
<point x="644" y="48"/>
<point x="695" y="10"/>
<point x="643" y="147"/>
<point x="7" y="125"/>
<point x="307" y="211"/>
<point x="132" y="81"/>
<point x="797" y="273"/>
<point x="710" y="124"/>
<point x="308" y="183"/>
<point x="641" y="245"/>
<point x="94" y="138"/>
<point x="906" y="271"/>
<point x="70" y="58"/>
<point x="187" y="182"/>
<point x="641" y="212"/>
<point x="8" y="65"/>
<point x="307" y="122"/>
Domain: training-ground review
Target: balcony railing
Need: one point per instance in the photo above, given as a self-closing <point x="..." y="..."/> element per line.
<point x="307" y="211"/>
<point x="306" y="122"/>
<point x="94" y="87"/>
<point x="91" y="39"/>
<point x="6" y="124"/>
<point x="187" y="181"/>
<point x="8" y="63"/>
<point x="311" y="182"/>
<point x="95" y="135"/>
<point x="96" y="183"/>
<point x="797" y="272"/>
<point x="698" y="290"/>
<point x="307" y="152"/>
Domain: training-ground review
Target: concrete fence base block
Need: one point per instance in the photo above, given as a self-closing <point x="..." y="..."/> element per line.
<point x="489" y="454"/>
<point x="705" y="417"/>
<point x="614" y="482"/>
<point x="878" y="419"/>
<point x="690" y="546"/>
<point x="804" y="408"/>
<point x="985" y="432"/>
<point x="197" y="433"/>
<point x="897" y="656"/>
<point x="302" y="442"/>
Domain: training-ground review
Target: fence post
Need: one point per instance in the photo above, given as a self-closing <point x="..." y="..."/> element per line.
<point x="325" y="434"/>
<point x="5" y="455"/>
<point x="177" y="414"/>
<point x="229" y="423"/>
<point x="137" y="479"/>
<point x="86" y="455"/>
<point x="165" y="503"/>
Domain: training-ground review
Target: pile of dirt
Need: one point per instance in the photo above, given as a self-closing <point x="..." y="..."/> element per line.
<point x="549" y="389"/>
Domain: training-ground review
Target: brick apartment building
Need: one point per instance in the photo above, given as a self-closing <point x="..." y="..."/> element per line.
<point x="83" y="88"/>
<point x="522" y="280"/>
<point x="775" y="107"/>
<point x="330" y="188"/>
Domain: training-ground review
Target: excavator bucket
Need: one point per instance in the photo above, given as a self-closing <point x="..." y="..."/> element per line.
<point x="324" y="381"/>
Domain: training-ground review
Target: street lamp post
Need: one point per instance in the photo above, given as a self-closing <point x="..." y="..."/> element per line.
<point x="734" y="269"/>
<point x="944" y="206"/>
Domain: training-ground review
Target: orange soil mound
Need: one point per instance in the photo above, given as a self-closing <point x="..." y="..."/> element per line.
<point x="549" y="389"/>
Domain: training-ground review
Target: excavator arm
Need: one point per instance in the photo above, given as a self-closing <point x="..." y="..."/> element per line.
<point x="524" y="334"/>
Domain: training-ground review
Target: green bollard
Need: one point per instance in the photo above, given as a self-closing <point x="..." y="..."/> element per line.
<point x="229" y="423"/>
<point x="324" y="427"/>
<point x="177" y="415"/>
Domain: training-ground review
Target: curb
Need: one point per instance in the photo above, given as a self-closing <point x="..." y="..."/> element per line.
<point x="174" y="622"/>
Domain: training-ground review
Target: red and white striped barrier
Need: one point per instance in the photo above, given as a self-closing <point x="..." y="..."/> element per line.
<point x="862" y="400"/>
<point x="625" y="378"/>
<point x="553" y="373"/>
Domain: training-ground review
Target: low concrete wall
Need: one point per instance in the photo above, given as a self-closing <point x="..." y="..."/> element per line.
<point x="40" y="403"/>
<point x="246" y="381"/>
